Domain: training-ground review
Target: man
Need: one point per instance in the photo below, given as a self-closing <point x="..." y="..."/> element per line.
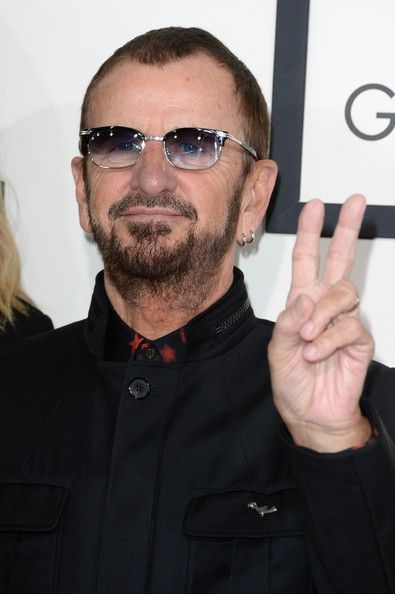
<point x="141" y="449"/>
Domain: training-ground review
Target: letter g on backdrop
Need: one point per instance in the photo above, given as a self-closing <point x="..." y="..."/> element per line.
<point x="390" y="116"/>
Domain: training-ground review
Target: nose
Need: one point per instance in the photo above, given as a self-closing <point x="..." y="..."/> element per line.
<point x="152" y="173"/>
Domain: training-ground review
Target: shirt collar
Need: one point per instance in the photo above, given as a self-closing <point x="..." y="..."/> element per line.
<point x="122" y="343"/>
<point x="213" y="331"/>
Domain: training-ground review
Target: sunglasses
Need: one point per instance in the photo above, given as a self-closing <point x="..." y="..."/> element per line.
<point x="115" y="147"/>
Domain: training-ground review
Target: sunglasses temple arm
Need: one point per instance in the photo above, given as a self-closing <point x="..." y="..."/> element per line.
<point x="245" y="146"/>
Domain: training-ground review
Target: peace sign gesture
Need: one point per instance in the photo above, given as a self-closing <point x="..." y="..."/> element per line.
<point x="320" y="350"/>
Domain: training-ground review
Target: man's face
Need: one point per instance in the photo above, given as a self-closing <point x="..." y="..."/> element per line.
<point x="152" y="211"/>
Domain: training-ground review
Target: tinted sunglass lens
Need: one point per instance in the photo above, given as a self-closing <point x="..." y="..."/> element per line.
<point x="192" y="148"/>
<point x="115" y="147"/>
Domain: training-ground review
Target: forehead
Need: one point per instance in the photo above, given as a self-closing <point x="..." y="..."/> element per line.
<point x="194" y="91"/>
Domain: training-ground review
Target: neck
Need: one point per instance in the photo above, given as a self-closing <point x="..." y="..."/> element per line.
<point x="156" y="311"/>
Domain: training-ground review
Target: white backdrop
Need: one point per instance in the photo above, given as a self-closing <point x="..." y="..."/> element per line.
<point x="351" y="44"/>
<point x="50" y="50"/>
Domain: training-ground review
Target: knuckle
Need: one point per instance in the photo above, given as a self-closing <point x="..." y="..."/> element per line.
<point x="339" y="255"/>
<point x="283" y="319"/>
<point x="353" y="330"/>
<point x="347" y="286"/>
<point x="299" y="255"/>
<point x="352" y="326"/>
<point x="325" y="344"/>
<point x="346" y="291"/>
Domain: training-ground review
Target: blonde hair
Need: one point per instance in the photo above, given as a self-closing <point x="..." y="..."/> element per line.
<point x="12" y="297"/>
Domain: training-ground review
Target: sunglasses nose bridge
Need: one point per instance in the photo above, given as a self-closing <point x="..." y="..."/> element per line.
<point x="151" y="137"/>
<point x="153" y="175"/>
<point x="161" y="139"/>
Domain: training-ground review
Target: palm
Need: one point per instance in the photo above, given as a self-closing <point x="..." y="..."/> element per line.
<point x="322" y="388"/>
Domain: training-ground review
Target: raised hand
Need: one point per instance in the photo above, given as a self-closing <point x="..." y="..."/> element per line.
<point x="320" y="350"/>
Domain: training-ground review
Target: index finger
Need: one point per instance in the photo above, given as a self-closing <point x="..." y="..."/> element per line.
<point x="306" y="251"/>
<point x="342" y="248"/>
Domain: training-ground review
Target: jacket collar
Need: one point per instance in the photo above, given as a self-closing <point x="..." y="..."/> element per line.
<point x="210" y="333"/>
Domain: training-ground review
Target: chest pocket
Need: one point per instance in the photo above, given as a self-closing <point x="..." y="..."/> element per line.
<point x="246" y="541"/>
<point x="30" y="520"/>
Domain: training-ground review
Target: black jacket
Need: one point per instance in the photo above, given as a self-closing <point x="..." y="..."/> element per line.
<point x="34" y="322"/>
<point x="136" y="478"/>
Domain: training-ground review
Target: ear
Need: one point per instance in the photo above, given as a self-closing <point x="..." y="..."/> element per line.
<point x="81" y="194"/>
<point x="257" y="191"/>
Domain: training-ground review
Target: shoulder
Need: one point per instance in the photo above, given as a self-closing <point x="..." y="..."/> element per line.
<point x="36" y="375"/>
<point x="44" y="354"/>
<point x="38" y="318"/>
<point x="48" y="341"/>
<point x="380" y="389"/>
<point x="24" y="325"/>
<point x="34" y="322"/>
<point x="262" y="332"/>
<point x="40" y="369"/>
<point x="379" y="378"/>
<point x="266" y="326"/>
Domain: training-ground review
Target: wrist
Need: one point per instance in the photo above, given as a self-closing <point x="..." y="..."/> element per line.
<point x="324" y="440"/>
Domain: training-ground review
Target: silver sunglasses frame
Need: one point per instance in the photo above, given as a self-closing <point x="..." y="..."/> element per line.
<point x="222" y="135"/>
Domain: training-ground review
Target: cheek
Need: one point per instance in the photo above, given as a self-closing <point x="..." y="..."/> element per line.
<point x="214" y="200"/>
<point x="105" y="188"/>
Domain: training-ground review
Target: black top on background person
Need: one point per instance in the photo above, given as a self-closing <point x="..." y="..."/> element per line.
<point x="23" y="325"/>
<point x="210" y="452"/>
<point x="19" y="317"/>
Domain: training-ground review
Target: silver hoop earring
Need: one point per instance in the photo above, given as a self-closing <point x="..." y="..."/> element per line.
<point x="251" y="238"/>
<point x="242" y="241"/>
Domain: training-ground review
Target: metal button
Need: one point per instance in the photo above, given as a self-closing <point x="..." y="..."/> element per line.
<point x="150" y="352"/>
<point x="139" y="388"/>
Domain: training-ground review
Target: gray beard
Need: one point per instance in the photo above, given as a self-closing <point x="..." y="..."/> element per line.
<point x="181" y="275"/>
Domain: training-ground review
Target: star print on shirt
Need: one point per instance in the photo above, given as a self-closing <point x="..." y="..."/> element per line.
<point x="135" y="343"/>
<point x="168" y="353"/>
<point x="169" y="348"/>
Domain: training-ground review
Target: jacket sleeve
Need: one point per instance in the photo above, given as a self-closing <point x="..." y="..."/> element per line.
<point x="348" y="500"/>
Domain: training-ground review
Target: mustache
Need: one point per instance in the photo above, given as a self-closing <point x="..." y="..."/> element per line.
<point x="166" y="200"/>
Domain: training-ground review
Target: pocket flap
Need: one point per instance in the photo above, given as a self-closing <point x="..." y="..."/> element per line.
<point x="272" y="510"/>
<point x="31" y="505"/>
